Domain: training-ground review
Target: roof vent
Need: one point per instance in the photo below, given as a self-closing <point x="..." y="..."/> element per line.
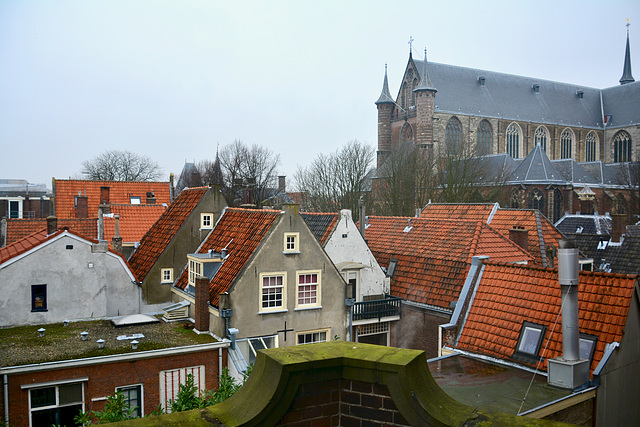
<point x="580" y="94"/>
<point x="535" y="87"/>
<point x="481" y="80"/>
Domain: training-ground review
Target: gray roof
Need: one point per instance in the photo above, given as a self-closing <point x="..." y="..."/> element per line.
<point x="512" y="97"/>
<point x="584" y="224"/>
<point x="537" y="168"/>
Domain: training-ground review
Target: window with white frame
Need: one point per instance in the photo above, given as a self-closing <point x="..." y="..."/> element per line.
<point x="273" y="296"/>
<point x="195" y="270"/>
<point x="206" y="220"/>
<point x="56" y="405"/>
<point x="135" y="200"/>
<point x="311" y="337"/>
<point x="133" y="399"/>
<point x="250" y="346"/>
<point x="167" y="275"/>
<point x="513" y="140"/>
<point x="351" y="278"/>
<point x="291" y="242"/>
<point x="308" y="292"/>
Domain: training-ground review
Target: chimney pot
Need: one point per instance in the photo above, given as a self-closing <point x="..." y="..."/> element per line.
<point x="52" y="224"/>
<point x="41" y="332"/>
<point x="84" y="335"/>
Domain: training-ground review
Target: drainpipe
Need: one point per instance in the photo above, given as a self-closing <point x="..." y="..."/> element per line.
<point x="362" y="218"/>
<point x="219" y="365"/>
<point x="6" y="399"/>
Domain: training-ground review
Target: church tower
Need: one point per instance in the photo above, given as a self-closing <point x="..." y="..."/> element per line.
<point x="425" y="101"/>
<point x="626" y="71"/>
<point x="385" y="106"/>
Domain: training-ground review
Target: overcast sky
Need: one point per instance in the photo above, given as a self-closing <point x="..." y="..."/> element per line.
<point x="172" y="79"/>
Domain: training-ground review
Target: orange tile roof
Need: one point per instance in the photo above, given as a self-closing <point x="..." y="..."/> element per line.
<point x="241" y="231"/>
<point x="434" y="255"/>
<point x="158" y="236"/>
<point x="20" y="228"/>
<point x="135" y="221"/>
<point x="509" y="294"/>
<point x="119" y="192"/>
<point x="537" y="225"/>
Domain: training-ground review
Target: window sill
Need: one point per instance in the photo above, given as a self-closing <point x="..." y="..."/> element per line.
<point x="273" y="311"/>
<point x="315" y="307"/>
<point x="39" y="310"/>
<point x="290" y="252"/>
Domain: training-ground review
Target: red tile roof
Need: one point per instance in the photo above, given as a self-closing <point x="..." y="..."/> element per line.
<point x="135" y="221"/>
<point x="434" y="255"/>
<point x="20" y="228"/>
<point x="119" y="192"/>
<point x="158" y="236"/>
<point x="509" y="294"/>
<point x="241" y="231"/>
<point x="542" y="234"/>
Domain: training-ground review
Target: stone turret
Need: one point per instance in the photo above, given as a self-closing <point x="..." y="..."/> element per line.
<point x="425" y="102"/>
<point x="385" y="104"/>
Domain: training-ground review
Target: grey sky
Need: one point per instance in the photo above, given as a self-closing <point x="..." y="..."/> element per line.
<point x="172" y="79"/>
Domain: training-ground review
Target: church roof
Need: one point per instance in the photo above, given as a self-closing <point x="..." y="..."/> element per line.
<point x="385" y="96"/>
<point x="626" y="69"/>
<point x="537" y="168"/>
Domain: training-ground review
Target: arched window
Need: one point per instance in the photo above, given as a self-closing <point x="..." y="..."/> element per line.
<point x="484" y="145"/>
<point x="406" y="134"/>
<point x="513" y="140"/>
<point x="453" y="136"/>
<point x="591" y="147"/>
<point x="621" y="147"/>
<point x="535" y="200"/>
<point x="514" y="199"/>
<point x="558" y="205"/>
<point x="566" y="143"/>
<point x="541" y="137"/>
<point x="413" y="94"/>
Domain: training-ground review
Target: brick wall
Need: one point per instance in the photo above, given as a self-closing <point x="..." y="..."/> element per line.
<point x="418" y="329"/>
<point x="343" y="403"/>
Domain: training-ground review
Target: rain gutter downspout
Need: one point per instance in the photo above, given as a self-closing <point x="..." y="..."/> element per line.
<point x="6" y="399"/>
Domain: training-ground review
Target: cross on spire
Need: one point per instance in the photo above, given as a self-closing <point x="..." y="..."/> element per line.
<point x="410" y="43"/>
<point x="628" y="25"/>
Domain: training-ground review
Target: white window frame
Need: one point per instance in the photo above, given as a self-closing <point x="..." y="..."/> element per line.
<point x="166" y="275"/>
<point x="313" y="334"/>
<point x="195" y="270"/>
<point x="56" y="385"/>
<point x="283" y="306"/>
<point x="355" y="274"/>
<point x="318" y="296"/>
<point x="171" y="379"/>
<point x="206" y="220"/>
<point x="291" y="243"/>
<point x="135" y="200"/>
<point x="139" y="386"/>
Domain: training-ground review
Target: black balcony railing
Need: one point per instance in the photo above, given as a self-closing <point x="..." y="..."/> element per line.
<point x="377" y="309"/>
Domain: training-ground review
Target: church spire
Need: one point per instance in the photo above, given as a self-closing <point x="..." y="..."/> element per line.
<point x="425" y="81"/>
<point x="385" y="96"/>
<point x="626" y="72"/>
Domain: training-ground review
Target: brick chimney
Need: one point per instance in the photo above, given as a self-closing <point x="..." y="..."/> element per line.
<point x="151" y="197"/>
<point x="82" y="206"/>
<point x="201" y="308"/>
<point x="520" y="236"/>
<point x="117" y="240"/>
<point x="618" y="226"/>
<point x="52" y="224"/>
<point x="104" y="195"/>
<point x="282" y="183"/>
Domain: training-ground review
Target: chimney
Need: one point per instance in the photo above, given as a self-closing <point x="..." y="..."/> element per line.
<point x="52" y="224"/>
<point x="618" y="226"/>
<point x="201" y="314"/>
<point x="117" y="240"/>
<point x="171" y="188"/>
<point x="82" y="206"/>
<point x="282" y="185"/>
<point x="363" y="225"/>
<point x="100" y="224"/>
<point x="520" y="236"/>
<point x="104" y="195"/>
<point x="151" y="197"/>
<point x="569" y="371"/>
<point x="26" y="205"/>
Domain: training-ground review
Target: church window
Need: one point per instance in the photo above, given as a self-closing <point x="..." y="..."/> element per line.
<point x="484" y="138"/>
<point x="622" y="147"/>
<point x="514" y="200"/>
<point x="535" y="200"/>
<point x="413" y="94"/>
<point x="566" y="143"/>
<point x="513" y="140"/>
<point x="453" y="136"/>
<point x="558" y="206"/>
<point x="406" y="134"/>
<point x="403" y="91"/>
<point x="541" y="137"/>
<point x="591" y="147"/>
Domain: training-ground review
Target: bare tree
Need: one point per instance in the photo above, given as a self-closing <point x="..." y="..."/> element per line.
<point x="116" y="165"/>
<point x="338" y="180"/>
<point x="248" y="170"/>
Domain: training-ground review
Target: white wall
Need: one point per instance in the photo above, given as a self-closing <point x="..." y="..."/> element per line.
<point x="74" y="289"/>
<point x="353" y="248"/>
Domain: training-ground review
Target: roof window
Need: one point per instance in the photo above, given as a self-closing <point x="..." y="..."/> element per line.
<point x="530" y="341"/>
<point x="392" y="267"/>
<point x="580" y="94"/>
<point x="481" y="80"/>
<point x="535" y="87"/>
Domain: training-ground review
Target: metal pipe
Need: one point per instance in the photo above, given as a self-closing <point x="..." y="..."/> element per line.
<point x="6" y="400"/>
<point x="568" y="276"/>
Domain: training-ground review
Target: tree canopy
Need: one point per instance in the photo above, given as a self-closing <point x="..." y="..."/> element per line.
<point x="121" y="165"/>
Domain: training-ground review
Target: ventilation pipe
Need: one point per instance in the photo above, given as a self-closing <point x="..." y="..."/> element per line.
<point x="362" y="217"/>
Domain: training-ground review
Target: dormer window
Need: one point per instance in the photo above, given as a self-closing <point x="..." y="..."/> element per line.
<point x="291" y="243"/>
<point x="392" y="267"/>
<point x="195" y="270"/>
<point x="206" y="220"/>
<point x="530" y="341"/>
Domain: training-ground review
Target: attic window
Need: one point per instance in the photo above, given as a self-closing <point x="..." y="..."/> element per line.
<point x="530" y="341"/>
<point x="580" y="94"/>
<point x="135" y="200"/>
<point x="587" y="346"/>
<point x="206" y="220"/>
<point x="392" y="267"/>
<point x="535" y="87"/>
<point x="481" y="80"/>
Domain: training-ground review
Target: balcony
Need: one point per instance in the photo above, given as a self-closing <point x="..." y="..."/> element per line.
<point x="378" y="309"/>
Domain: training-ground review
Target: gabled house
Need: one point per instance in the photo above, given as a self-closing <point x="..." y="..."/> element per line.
<point x="20" y="199"/>
<point x="374" y="311"/>
<point x="162" y="251"/>
<point x="262" y="279"/>
<point x="427" y="261"/>
<point x="13" y="229"/>
<point x="54" y="275"/>
<point x="514" y="315"/>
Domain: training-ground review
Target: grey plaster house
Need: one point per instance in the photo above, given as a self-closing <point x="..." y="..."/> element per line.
<point x="57" y="275"/>
<point x="268" y="282"/>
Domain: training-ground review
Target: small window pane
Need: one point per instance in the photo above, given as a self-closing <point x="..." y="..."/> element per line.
<point x="70" y="393"/>
<point x="586" y="347"/>
<point x="43" y="397"/>
<point x="530" y="340"/>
